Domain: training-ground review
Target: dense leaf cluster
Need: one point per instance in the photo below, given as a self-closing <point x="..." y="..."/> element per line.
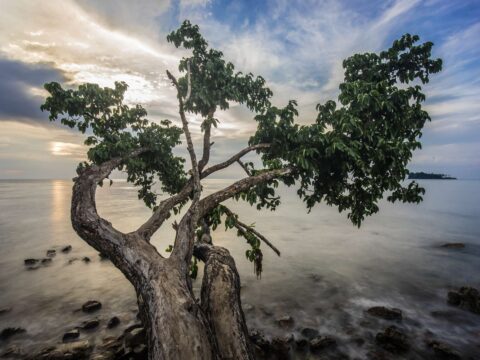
<point x="358" y="149"/>
<point x="115" y="130"/>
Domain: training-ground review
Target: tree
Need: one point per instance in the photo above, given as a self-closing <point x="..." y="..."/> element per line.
<point x="353" y="153"/>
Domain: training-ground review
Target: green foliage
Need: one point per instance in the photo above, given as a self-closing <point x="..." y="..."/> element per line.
<point x="214" y="82"/>
<point x="115" y="130"/>
<point x="358" y="150"/>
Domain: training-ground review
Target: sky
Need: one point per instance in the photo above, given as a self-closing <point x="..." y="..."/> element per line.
<point x="297" y="45"/>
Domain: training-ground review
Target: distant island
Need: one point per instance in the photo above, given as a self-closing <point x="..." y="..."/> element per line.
<point x="422" y="175"/>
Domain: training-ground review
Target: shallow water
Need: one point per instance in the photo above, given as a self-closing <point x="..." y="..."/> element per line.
<point x="328" y="274"/>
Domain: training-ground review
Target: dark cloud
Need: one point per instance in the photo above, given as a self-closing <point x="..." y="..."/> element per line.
<point x="16" y="80"/>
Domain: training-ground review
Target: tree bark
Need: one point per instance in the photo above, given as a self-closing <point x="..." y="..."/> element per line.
<point x="221" y="302"/>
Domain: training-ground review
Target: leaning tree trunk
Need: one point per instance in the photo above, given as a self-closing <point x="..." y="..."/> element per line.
<point x="177" y="326"/>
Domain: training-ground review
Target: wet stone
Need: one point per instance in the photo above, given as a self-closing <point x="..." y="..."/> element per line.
<point x="51" y="253"/>
<point x="71" y="335"/>
<point x="385" y="313"/>
<point x="285" y="321"/>
<point x="30" y="261"/>
<point x="309" y="333"/>
<point x="113" y="322"/>
<point x="90" y="324"/>
<point x="13" y="352"/>
<point x="11" y="331"/>
<point x="67" y="249"/>
<point x="392" y="339"/>
<point x="320" y="343"/>
<point x="46" y="261"/>
<point x="443" y="351"/>
<point x="467" y="298"/>
<point x="86" y="259"/>
<point x="453" y="246"/>
<point x="91" y="306"/>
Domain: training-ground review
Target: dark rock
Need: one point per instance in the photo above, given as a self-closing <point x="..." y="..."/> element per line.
<point x="51" y="253"/>
<point x="46" y="261"/>
<point x="320" y="343"/>
<point x="86" y="259"/>
<point x="72" y="260"/>
<point x="281" y="346"/>
<point x="377" y="355"/>
<point x="393" y="340"/>
<point x="103" y="256"/>
<point x="77" y="350"/>
<point x="90" y="324"/>
<point x="133" y="336"/>
<point x="91" y="306"/>
<point x="67" y="249"/>
<point x="13" y="352"/>
<point x="467" y="298"/>
<point x="301" y="344"/>
<point x="113" y="322"/>
<point x="5" y="310"/>
<point x="385" y="313"/>
<point x="10" y="331"/>
<point x="443" y="351"/>
<point x="140" y="351"/>
<point x="285" y="321"/>
<point x="309" y="333"/>
<point x="71" y="335"/>
<point x="29" y="262"/>
<point x="453" y="246"/>
<point x="261" y="343"/>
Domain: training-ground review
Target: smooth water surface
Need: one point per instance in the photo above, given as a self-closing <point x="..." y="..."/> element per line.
<point x="329" y="272"/>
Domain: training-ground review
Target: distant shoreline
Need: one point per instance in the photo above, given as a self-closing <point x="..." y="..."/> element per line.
<point x="429" y="176"/>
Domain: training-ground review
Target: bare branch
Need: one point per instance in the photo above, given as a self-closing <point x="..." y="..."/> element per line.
<point x="244" y="229"/>
<point x="233" y="159"/>
<point x="209" y="202"/>
<point x="189" y="80"/>
<point x="244" y="167"/>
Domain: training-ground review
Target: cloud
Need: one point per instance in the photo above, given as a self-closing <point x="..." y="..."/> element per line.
<point x="20" y="86"/>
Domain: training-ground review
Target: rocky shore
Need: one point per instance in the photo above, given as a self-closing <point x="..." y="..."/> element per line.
<point x="391" y="339"/>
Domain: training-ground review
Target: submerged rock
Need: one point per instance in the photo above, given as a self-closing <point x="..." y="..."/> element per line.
<point x="285" y="321"/>
<point x="78" y="350"/>
<point x="30" y="261"/>
<point x="133" y="336"/>
<point x="10" y="331"/>
<point x="5" y="310"/>
<point x="113" y="322"/>
<point x="309" y="333"/>
<point x="46" y="261"/>
<point x="71" y="335"/>
<point x="453" y="246"/>
<point x="86" y="259"/>
<point x="393" y="340"/>
<point x="91" y="306"/>
<point x="90" y="324"/>
<point x="67" y="249"/>
<point x="51" y="253"/>
<point x="467" y="298"/>
<point x="320" y="343"/>
<point x="385" y="313"/>
<point x="13" y="352"/>
<point x="443" y="351"/>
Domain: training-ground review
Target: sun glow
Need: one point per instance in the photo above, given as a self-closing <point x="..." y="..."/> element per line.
<point x="58" y="148"/>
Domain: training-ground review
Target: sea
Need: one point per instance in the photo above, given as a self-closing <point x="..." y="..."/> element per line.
<point x="328" y="274"/>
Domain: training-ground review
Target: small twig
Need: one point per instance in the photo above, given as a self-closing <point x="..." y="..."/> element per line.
<point x="244" y="167"/>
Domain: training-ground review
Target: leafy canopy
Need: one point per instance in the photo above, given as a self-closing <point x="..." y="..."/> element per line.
<point x="356" y="149"/>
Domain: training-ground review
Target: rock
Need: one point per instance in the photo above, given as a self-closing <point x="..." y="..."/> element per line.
<point x="281" y="346"/>
<point x="320" y="343"/>
<point x="140" y="351"/>
<point x="385" y="313"/>
<point x="13" y="352"/>
<point x="46" y="261"/>
<point x="113" y="322"/>
<point x="72" y="260"/>
<point x="91" y="306"/>
<point x="133" y="336"/>
<point x="301" y="344"/>
<point x="393" y="340"/>
<point x="261" y="343"/>
<point x="467" y="298"/>
<point x="11" y="331"/>
<point x="309" y="333"/>
<point x="86" y="259"/>
<point x="90" y="324"/>
<point x="77" y="350"/>
<point x="5" y="310"/>
<point x="51" y="253"/>
<point x="67" y="249"/>
<point x="30" y="261"/>
<point x="443" y="351"/>
<point x="453" y="246"/>
<point x="71" y="335"/>
<point x="285" y="321"/>
<point x="103" y="256"/>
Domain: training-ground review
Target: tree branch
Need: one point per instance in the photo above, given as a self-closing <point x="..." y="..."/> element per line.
<point x="244" y="167"/>
<point x="244" y="228"/>
<point x="206" y="141"/>
<point x="209" y="202"/>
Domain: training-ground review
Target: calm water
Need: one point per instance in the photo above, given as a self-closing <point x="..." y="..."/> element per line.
<point x="328" y="274"/>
